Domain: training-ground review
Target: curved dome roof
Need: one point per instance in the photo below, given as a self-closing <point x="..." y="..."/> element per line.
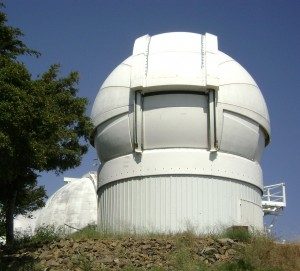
<point x="26" y="224"/>
<point x="73" y="206"/>
<point x="181" y="61"/>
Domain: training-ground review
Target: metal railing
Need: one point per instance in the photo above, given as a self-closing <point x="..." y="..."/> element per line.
<point x="274" y="198"/>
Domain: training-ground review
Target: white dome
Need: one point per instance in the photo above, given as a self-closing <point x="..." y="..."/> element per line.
<point x="178" y="61"/>
<point x="179" y="114"/>
<point x="73" y="206"/>
<point x="25" y="225"/>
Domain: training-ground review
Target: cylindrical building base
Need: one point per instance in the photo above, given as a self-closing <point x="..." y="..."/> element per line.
<point x="178" y="203"/>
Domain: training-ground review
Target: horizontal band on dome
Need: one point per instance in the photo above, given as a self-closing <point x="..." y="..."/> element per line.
<point x="181" y="162"/>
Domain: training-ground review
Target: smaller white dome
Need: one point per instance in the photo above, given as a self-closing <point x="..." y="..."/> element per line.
<point x="72" y="207"/>
<point x="25" y="225"/>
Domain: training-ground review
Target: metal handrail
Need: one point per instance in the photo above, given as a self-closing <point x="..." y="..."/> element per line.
<point x="274" y="198"/>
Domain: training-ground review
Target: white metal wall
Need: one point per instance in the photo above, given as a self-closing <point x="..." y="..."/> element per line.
<point x="177" y="203"/>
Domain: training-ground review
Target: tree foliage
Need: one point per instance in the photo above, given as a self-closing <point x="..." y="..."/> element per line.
<point x="10" y="43"/>
<point x="43" y="126"/>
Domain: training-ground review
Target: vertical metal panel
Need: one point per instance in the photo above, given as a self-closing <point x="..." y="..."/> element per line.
<point x="175" y="120"/>
<point x="176" y="203"/>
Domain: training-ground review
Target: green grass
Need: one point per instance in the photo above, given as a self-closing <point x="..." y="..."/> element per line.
<point x="238" y="234"/>
<point x="43" y="236"/>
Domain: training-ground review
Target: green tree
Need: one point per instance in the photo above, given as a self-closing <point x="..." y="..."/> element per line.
<point x="43" y="127"/>
<point x="10" y="43"/>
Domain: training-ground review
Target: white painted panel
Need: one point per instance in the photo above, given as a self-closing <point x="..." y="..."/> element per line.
<point x="260" y="146"/>
<point x="232" y="72"/>
<point x="175" y="120"/>
<point x="239" y="135"/>
<point x="113" y="138"/>
<point x="244" y="95"/>
<point x="251" y="213"/>
<point x="177" y="203"/>
<point x="175" y="42"/>
<point x="110" y="99"/>
<point x="167" y="65"/>
<point x="182" y="162"/>
<point x="119" y="77"/>
<point x="141" y="45"/>
<point x="138" y="70"/>
<point x="211" y="60"/>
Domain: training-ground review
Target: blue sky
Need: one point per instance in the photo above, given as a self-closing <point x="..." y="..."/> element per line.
<point x="93" y="37"/>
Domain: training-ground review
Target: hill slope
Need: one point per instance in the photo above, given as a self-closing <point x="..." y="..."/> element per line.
<point x="91" y="250"/>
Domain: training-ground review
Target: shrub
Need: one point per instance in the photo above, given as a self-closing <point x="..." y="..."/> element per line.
<point x="43" y="235"/>
<point x="238" y="234"/>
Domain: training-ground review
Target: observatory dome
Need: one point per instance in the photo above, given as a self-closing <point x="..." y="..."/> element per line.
<point x="180" y="128"/>
<point x="24" y="224"/>
<point x="72" y="207"/>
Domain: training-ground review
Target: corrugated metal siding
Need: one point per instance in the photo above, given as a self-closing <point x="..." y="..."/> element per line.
<point x="176" y="203"/>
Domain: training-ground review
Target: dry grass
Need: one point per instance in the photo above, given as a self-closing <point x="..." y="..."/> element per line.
<point x="253" y="253"/>
<point x="263" y="252"/>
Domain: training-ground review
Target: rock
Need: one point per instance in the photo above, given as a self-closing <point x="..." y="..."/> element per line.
<point x="230" y="252"/>
<point x="222" y="250"/>
<point x="75" y="245"/>
<point x="212" y="259"/>
<point x="218" y="256"/>
<point x="52" y="246"/>
<point x="52" y="263"/>
<point x="209" y="251"/>
<point x="241" y="245"/>
<point x="145" y="246"/>
<point x="47" y="256"/>
<point x="210" y="241"/>
<point x="107" y="260"/>
<point x="43" y="262"/>
<point x="61" y="244"/>
<point x="168" y="246"/>
<point x="122" y="264"/>
<point x="64" y="261"/>
<point x="226" y="241"/>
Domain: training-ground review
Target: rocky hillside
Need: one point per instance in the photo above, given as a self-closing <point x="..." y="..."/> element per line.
<point x="178" y="252"/>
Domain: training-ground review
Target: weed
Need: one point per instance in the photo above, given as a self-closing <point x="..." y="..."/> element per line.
<point x="43" y="235"/>
<point x="83" y="262"/>
<point x="239" y="265"/>
<point x="19" y="264"/>
<point x="238" y="234"/>
<point x="263" y="253"/>
<point x="88" y="232"/>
